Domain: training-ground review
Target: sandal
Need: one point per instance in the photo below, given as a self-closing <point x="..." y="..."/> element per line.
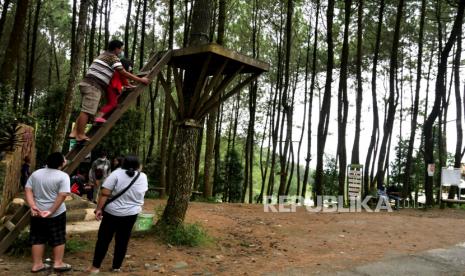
<point x="44" y="268"/>
<point x="64" y="268"/>
<point x="100" y="120"/>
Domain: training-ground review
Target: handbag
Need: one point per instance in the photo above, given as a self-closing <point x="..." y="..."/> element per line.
<point x="110" y="200"/>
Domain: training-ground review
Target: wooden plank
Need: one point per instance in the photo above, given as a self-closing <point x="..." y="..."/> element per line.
<point x="213" y="83"/>
<point x="168" y="96"/>
<point x="453" y="200"/>
<point x="250" y="63"/>
<point x="80" y="152"/>
<point x="8" y="239"/>
<point x="199" y="85"/>
<point x="178" y="83"/>
<point x="212" y="103"/>
<point x="217" y="91"/>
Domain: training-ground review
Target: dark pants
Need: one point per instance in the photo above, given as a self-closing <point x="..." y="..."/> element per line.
<point x="111" y="225"/>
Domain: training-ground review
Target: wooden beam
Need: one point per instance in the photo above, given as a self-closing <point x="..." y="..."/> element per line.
<point x="23" y="217"/>
<point x="252" y="65"/>
<point x="225" y="82"/>
<point x="213" y="83"/>
<point x="213" y="103"/>
<point x="168" y="96"/>
<point x="178" y="82"/>
<point x="199" y="86"/>
<point x="80" y="152"/>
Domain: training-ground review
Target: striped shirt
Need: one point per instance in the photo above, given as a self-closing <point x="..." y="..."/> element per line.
<point x="101" y="70"/>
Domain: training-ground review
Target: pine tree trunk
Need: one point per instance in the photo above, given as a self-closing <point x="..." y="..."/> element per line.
<point x="326" y="104"/>
<point x="264" y="165"/>
<point x="5" y="7"/>
<point x="180" y="191"/>
<point x="310" y="106"/>
<point x="62" y="124"/>
<point x="307" y="60"/>
<point x="12" y="51"/>
<point x="287" y="108"/>
<point x="29" y="82"/>
<point x="107" y="24"/>
<point x="92" y="32"/>
<point x="387" y="129"/>
<point x="153" y="98"/>
<point x="211" y="120"/>
<point x="374" y="133"/>
<point x="186" y="137"/>
<point x="343" y="104"/>
<point x="198" y="151"/>
<point x="408" y="165"/>
<point x="99" y="40"/>
<point x="440" y="92"/>
<point x="126" y="28"/>
<point x="136" y="25"/>
<point x="355" y="158"/>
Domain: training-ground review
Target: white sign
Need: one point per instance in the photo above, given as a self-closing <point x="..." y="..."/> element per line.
<point x="431" y="168"/>
<point x="354" y="180"/>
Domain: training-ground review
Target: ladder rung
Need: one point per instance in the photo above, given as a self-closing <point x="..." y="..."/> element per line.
<point x="144" y="73"/>
<point x="10" y="225"/>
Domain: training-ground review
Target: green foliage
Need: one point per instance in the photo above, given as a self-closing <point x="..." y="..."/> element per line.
<point x="21" y="245"/>
<point x="152" y="169"/>
<point x="123" y="137"/>
<point x="48" y="106"/>
<point x="232" y="176"/>
<point x="330" y="176"/>
<point x="191" y="235"/>
<point x="74" y="246"/>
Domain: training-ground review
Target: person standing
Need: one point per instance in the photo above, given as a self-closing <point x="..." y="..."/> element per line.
<point x="25" y="171"/>
<point x="46" y="190"/>
<point x="125" y="189"/>
<point x="95" y="84"/>
<point x="99" y="170"/>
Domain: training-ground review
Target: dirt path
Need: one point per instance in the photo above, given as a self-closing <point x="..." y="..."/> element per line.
<point x="250" y="242"/>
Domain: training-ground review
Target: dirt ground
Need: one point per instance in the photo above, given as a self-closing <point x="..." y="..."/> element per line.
<point x="248" y="241"/>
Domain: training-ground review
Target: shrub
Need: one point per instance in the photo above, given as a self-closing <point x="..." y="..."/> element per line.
<point x="187" y="234"/>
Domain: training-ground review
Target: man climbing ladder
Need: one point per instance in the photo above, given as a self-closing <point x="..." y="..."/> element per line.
<point x="95" y="83"/>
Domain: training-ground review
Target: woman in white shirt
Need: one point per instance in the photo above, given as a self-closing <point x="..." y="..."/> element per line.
<point x="118" y="216"/>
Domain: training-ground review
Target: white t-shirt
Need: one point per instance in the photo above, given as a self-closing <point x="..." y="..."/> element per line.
<point x="130" y="203"/>
<point x="46" y="184"/>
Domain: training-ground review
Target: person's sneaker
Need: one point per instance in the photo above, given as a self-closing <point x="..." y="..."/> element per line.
<point x="116" y="270"/>
<point x="100" y="120"/>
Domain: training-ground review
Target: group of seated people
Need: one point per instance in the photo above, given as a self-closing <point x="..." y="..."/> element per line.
<point x="87" y="181"/>
<point x="390" y="193"/>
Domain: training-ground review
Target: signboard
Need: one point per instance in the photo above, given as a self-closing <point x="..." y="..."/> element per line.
<point x="354" y="184"/>
<point x="431" y="168"/>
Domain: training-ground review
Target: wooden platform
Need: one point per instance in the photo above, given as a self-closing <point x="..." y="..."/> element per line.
<point x="194" y="58"/>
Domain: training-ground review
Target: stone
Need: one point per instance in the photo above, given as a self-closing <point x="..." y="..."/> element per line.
<point x="180" y="265"/>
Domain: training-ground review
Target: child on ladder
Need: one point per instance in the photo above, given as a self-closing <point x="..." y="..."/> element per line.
<point x="114" y="91"/>
<point x="96" y="82"/>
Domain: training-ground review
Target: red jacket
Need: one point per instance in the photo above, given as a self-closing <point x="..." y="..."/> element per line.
<point x="117" y="82"/>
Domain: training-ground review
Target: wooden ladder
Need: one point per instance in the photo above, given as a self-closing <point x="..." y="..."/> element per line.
<point x="12" y="227"/>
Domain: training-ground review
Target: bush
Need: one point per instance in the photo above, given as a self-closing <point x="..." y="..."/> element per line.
<point x="187" y="234"/>
<point x="21" y="246"/>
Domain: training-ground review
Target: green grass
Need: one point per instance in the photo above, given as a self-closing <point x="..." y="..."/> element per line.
<point x="192" y="235"/>
<point x="73" y="246"/>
